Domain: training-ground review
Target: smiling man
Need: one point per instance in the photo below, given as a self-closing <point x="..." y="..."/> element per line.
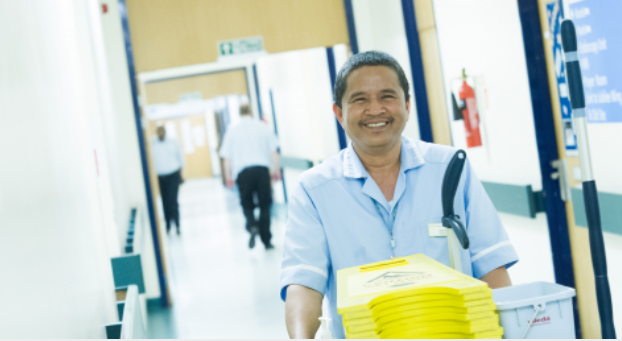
<point x="376" y="198"/>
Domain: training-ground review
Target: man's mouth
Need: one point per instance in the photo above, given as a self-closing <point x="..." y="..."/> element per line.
<point x="375" y="125"/>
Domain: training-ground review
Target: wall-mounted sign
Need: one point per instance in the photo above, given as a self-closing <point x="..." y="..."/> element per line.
<point x="555" y="21"/>
<point x="240" y="46"/>
<point x="598" y="28"/>
<point x="190" y="96"/>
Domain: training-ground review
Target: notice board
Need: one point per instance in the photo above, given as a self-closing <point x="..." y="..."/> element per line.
<point x="598" y="28"/>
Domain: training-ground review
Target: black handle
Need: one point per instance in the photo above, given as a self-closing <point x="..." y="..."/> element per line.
<point x="455" y="224"/>
<point x="599" y="259"/>
<point x="573" y="68"/>
<point x="590" y="194"/>
<point x="448" y="194"/>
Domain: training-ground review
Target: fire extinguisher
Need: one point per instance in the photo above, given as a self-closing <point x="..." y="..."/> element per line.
<point x="470" y="114"/>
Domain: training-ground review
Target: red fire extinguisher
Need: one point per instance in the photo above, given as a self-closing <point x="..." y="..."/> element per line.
<point x="470" y="114"/>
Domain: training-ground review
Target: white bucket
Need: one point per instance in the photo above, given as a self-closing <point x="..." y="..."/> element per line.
<point x="549" y="305"/>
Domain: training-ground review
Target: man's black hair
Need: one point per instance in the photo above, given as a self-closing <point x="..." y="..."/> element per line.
<point x="370" y="58"/>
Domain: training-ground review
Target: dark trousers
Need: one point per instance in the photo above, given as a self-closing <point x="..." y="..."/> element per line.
<point x="255" y="181"/>
<point x="169" y="189"/>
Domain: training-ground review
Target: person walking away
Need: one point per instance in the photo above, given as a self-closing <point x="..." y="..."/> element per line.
<point x="168" y="161"/>
<point x="249" y="149"/>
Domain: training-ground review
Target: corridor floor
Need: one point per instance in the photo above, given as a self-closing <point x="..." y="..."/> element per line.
<point x="219" y="287"/>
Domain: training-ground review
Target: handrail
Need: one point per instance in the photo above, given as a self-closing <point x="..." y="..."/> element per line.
<point x="132" y="324"/>
<point x="295" y="162"/>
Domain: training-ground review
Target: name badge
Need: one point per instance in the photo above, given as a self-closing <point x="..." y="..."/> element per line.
<point x="437" y="230"/>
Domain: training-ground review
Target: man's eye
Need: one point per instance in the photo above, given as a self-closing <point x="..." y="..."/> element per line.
<point x="360" y="99"/>
<point x="388" y="96"/>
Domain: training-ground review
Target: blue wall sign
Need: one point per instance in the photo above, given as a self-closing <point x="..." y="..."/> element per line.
<point x="598" y="28"/>
<point x="554" y="15"/>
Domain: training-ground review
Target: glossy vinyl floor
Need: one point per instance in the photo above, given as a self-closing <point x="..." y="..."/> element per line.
<point x="219" y="287"/>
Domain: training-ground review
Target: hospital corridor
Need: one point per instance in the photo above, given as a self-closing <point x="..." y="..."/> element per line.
<point x="213" y="252"/>
<point x="330" y="169"/>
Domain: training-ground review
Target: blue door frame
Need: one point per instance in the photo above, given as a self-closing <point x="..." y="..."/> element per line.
<point x="164" y="301"/>
<point x="332" y="71"/>
<point x="555" y="207"/>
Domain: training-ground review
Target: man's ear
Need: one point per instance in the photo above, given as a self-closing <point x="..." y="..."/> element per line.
<point x="408" y="109"/>
<point x="338" y="113"/>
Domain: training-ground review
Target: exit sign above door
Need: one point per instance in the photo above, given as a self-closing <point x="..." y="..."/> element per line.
<point x="243" y="46"/>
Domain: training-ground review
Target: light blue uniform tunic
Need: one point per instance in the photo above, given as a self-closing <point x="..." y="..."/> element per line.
<point x="339" y="218"/>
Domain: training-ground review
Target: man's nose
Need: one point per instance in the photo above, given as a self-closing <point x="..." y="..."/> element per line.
<point x="375" y="108"/>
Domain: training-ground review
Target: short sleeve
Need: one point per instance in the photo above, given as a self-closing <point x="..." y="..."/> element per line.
<point x="305" y="256"/>
<point x="490" y="247"/>
<point x="225" y="147"/>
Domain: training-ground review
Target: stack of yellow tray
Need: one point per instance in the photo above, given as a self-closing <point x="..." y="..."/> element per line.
<point x="414" y="297"/>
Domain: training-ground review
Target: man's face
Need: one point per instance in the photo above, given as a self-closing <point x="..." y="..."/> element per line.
<point x="374" y="110"/>
<point x="161" y="133"/>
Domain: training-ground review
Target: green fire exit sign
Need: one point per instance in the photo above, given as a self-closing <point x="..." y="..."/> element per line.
<point x="240" y="46"/>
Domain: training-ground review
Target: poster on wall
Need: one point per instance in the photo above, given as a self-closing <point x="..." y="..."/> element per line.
<point x="554" y="15"/>
<point x="598" y="27"/>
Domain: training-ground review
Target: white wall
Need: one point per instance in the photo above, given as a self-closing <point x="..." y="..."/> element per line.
<point x="301" y="89"/>
<point x="120" y="127"/>
<point x="485" y="37"/>
<point x="121" y="139"/>
<point x="57" y="278"/>
<point x="491" y="49"/>
<point x="380" y="26"/>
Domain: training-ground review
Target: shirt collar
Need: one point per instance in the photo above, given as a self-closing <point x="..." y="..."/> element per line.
<point x="410" y="156"/>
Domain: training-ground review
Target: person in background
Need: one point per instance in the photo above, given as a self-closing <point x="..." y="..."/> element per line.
<point x="249" y="149"/>
<point x="168" y="161"/>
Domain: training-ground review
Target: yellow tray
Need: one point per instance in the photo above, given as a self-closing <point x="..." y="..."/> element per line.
<point x="461" y="287"/>
<point x="493" y="334"/>
<point x="442" y="323"/>
<point x="445" y="330"/>
<point x="457" y="307"/>
<point x="361" y="329"/>
<point x="435" y="317"/>
<point x="430" y="304"/>
<point x="364" y="335"/>
<point x="367" y="326"/>
<point x="418" y="299"/>
<point x="361" y="288"/>
<point x="357" y="315"/>
<point x="432" y="297"/>
<point x="443" y="311"/>
<point x="358" y="322"/>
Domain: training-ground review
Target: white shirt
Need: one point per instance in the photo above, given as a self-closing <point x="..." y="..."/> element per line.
<point x="167" y="156"/>
<point x="247" y="144"/>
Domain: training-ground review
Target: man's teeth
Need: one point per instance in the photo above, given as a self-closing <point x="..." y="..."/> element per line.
<point x="373" y="125"/>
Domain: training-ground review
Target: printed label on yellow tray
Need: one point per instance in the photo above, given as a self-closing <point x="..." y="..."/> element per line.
<point x="395" y="278"/>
